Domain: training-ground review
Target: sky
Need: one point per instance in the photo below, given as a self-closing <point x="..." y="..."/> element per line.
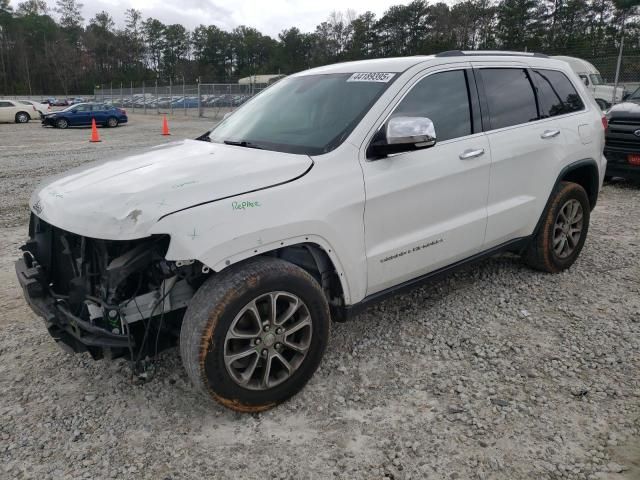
<point x="269" y="16"/>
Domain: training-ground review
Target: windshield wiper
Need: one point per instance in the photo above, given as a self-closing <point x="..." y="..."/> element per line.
<point x="243" y="143"/>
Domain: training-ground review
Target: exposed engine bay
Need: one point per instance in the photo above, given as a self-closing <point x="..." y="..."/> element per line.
<point x="108" y="297"/>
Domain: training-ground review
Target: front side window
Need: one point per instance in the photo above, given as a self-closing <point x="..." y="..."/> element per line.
<point x="556" y="94"/>
<point x="444" y="99"/>
<point x="310" y="114"/>
<point x="510" y="96"/>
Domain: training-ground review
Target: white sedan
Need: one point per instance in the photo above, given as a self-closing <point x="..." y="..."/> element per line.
<point x="14" y="111"/>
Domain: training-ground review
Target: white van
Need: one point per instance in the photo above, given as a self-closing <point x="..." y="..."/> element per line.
<point x="593" y="80"/>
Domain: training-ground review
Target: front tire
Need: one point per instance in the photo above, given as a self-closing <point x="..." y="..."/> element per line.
<point x="254" y="334"/>
<point x="22" y="117"/>
<point x="560" y="239"/>
<point x="62" y="123"/>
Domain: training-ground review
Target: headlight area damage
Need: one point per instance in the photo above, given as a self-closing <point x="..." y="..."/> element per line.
<point x="110" y="298"/>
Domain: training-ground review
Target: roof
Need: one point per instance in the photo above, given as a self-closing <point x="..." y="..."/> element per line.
<point x="388" y="65"/>
<point x="578" y="65"/>
<point x="400" y="64"/>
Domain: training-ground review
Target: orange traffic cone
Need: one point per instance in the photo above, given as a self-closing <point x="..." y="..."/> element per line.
<point x="165" y="126"/>
<point x="94" y="132"/>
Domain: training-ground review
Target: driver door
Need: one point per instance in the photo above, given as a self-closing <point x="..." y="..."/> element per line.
<point x="81" y="115"/>
<point x="426" y="209"/>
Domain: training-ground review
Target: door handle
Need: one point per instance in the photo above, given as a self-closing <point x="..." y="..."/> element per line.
<point x="471" y="153"/>
<point x="550" y="133"/>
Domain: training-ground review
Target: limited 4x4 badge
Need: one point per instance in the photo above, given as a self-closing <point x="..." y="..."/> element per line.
<point x="415" y="249"/>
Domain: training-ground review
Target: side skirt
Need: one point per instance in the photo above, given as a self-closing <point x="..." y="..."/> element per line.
<point x="517" y="246"/>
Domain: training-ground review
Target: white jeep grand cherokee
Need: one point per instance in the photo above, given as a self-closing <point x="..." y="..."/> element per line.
<point x="327" y="191"/>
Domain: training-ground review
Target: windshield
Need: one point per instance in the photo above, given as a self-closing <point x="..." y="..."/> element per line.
<point x="635" y="95"/>
<point x="311" y="114"/>
<point x="596" y="79"/>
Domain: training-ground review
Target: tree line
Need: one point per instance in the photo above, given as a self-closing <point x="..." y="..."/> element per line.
<point x="45" y="50"/>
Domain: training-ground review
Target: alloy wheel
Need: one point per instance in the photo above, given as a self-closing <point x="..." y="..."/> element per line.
<point x="268" y="340"/>
<point x="568" y="228"/>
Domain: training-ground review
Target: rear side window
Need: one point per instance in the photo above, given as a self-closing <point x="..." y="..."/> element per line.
<point x="509" y="95"/>
<point x="556" y="94"/>
<point x="6" y="104"/>
<point x="443" y="98"/>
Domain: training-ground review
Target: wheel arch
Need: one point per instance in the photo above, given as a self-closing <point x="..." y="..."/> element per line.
<point x="586" y="174"/>
<point x="311" y="253"/>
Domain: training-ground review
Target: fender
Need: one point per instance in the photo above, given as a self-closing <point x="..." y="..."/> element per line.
<point x="299" y="240"/>
<point x="325" y="207"/>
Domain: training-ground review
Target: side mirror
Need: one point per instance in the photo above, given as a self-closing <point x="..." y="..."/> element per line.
<point x="403" y="134"/>
<point x="625" y="96"/>
<point x="74" y="111"/>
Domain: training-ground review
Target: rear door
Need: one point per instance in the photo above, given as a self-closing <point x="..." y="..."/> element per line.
<point x="98" y="111"/>
<point x="526" y="150"/>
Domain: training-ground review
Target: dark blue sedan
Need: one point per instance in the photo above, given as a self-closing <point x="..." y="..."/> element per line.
<point x="82" y="114"/>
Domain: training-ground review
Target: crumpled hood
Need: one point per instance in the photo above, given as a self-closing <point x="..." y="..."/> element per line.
<point x="121" y="199"/>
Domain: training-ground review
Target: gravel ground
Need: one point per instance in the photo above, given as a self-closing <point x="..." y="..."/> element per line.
<point x="496" y="372"/>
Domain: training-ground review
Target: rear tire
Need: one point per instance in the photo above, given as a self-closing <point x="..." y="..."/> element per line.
<point x="231" y="316"/>
<point x="62" y="123"/>
<point x="112" y="122"/>
<point x="561" y="236"/>
<point x="22" y="117"/>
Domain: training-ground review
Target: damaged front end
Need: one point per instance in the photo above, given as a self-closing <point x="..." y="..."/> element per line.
<point x="108" y="297"/>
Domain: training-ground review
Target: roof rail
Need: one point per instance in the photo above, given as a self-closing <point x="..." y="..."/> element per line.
<point x="471" y="53"/>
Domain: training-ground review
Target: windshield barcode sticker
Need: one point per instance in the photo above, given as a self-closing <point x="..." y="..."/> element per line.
<point x="371" y="77"/>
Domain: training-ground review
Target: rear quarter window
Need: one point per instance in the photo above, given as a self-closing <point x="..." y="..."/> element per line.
<point x="556" y="93"/>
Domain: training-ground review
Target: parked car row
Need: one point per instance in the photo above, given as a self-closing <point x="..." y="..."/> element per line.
<point x="55" y="102"/>
<point x="188" y="101"/>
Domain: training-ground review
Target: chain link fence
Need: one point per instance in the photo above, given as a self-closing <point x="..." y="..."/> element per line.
<point x="210" y="100"/>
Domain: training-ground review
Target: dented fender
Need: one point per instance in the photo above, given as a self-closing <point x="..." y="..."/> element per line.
<point x="324" y="207"/>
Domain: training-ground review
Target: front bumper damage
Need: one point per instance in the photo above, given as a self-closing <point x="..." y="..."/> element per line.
<point x="101" y="296"/>
<point x="71" y="332"/>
